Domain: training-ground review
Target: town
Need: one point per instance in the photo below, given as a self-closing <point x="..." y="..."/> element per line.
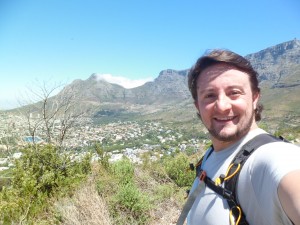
<point x="129" y="139"/>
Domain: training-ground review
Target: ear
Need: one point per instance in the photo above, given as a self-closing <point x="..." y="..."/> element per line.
<point x="196" y="104"/>
<point x="198" y="111"/>
<point x="256" y="97"/>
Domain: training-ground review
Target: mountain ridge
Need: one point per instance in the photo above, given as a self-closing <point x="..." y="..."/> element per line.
<point x="167" y="97"/>
<point x="273" y="64"/>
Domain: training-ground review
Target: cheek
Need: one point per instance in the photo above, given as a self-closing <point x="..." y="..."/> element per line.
<point x="207" y="107"/>
<point x="243" y="105"/>
<point x="205" y="110"/>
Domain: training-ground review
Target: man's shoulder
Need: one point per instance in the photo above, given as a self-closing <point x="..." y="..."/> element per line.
<point x="262" y="139"/>
<point x="280" y="146"/>
<point x="269" y="151"/>
<point x="250" y="135"/>
<point x="275" y="155"/>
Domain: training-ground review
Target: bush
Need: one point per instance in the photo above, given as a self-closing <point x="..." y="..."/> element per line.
<point x="164" y="191"/>
<point x="5" y="178"/>
<point x="133" y="202"/>
<point x="123" y="170"/>
<point x="127" y="203"/>
<point x="103" y="156"/>
<point x="177" y="169"/>
<point x="41" y="173"/>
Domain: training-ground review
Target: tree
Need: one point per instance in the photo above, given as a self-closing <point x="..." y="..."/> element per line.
<point x="52" y="117"/>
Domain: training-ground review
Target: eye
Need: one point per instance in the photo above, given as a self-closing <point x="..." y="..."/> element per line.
<point x="210" y="95"/>
<point x="235" y="93"/>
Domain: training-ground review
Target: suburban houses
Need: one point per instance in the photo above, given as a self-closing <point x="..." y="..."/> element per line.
<point x="119" y="139"/>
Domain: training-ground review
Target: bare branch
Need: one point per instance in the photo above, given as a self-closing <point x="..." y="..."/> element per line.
<point x="52" y="117"/>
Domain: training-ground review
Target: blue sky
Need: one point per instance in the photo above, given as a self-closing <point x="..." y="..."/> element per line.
<point x="64" y="40"/>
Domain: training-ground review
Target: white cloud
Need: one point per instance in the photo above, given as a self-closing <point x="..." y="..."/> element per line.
<point x="123" y="81"/>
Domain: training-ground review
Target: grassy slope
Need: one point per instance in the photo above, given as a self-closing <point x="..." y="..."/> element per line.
<point x="282" y="105"/>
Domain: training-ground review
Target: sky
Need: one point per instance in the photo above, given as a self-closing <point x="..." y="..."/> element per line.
<point x="128" y="42"/>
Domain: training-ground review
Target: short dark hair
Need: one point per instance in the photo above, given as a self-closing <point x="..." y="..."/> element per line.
<point x="217" y="56"/>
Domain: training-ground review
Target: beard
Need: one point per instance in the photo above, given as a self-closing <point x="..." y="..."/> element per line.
<point x="241" y="130"/>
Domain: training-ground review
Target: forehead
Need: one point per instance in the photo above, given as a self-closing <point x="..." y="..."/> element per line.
<point x="220" y="70"/>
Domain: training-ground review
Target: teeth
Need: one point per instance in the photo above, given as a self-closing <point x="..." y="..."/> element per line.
<point x="225" y="118"/>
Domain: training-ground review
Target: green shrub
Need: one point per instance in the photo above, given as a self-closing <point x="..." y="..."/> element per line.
<point x="5" y="178"/>
<point x="123" y="170"/>
<point x="127" y="203"/>
<point x="190" y="150"/>
<point x="177" y="170"/>
<point x="133" y="202"/>
<point x="103" y="157"/>
<point x="164" y="191"/>
<point x="41" y="173"/>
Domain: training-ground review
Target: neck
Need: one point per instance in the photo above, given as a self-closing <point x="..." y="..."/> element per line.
<point x="220" y="145"/>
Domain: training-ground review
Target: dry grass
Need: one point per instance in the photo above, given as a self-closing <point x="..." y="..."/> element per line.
<point x="166" y="213"/>
<point x="85" y="207"/>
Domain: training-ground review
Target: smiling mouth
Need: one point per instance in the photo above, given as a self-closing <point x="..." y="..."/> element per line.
<point x="224" y="119"/>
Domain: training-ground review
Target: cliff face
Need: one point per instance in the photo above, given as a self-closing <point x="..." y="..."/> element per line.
<point x="277" y="62"/>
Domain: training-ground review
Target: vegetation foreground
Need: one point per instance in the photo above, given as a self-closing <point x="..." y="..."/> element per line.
<point x="48" y="186"/>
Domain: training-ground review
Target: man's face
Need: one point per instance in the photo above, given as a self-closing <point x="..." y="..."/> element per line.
<point x="225" y="102"/>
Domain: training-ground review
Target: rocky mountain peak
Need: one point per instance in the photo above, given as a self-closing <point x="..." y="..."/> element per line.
<point x="93" y="76"/>
<point x="274" y="63"/>
<point x="274" y="53"/>
<point x="169" y="72"/>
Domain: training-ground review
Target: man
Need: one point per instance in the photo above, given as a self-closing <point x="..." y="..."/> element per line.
<point x="225" y="90"/>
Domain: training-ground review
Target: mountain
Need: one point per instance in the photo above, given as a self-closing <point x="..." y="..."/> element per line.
<point x="170" y="85"/>
<point x="276" y="63"/>
<point x="279" y="74"/>
<point x="168" y="97"/>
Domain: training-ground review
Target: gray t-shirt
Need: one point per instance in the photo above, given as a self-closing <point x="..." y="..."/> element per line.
<point x="257" y="185"/>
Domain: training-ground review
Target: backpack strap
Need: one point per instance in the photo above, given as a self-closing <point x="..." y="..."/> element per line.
<point x="192" y="197"/>
<point x="237" y="164"/>
<point x="230" y="179"/>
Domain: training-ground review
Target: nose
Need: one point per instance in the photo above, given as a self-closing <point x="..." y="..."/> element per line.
<point x="223" y="104"/>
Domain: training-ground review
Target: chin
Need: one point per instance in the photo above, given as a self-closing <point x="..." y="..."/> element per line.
<point x="225" y="136"/>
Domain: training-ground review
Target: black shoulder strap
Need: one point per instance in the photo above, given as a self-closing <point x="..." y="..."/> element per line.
<point x="239" y="160"/>
<point x="243" y="155"/>
<point x="229" y="191"/>
<point x="192" y="197"/>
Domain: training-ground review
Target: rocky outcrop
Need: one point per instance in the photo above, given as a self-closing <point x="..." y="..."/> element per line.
<point x="275" y="63"/>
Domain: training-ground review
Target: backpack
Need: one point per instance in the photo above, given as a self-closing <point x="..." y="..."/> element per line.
<point x="230" y="179"/>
